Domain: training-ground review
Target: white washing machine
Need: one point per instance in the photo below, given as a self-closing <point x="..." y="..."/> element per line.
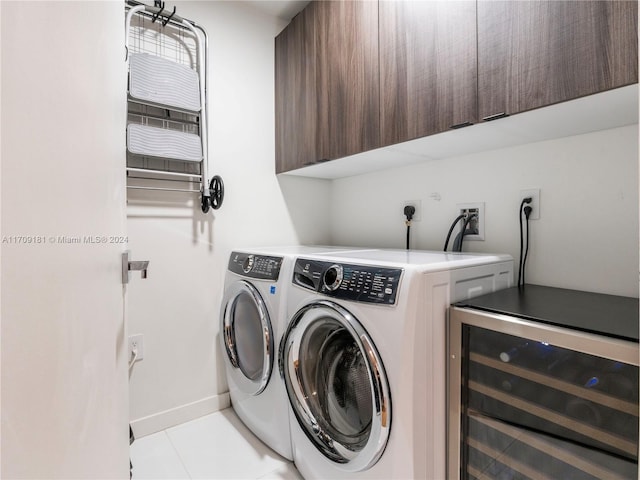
<point x="253" y="319"/>
<point x="363" y="358"/>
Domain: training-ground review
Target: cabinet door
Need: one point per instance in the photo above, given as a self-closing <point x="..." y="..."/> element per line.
<point x="349" y="75"/>
<point x="428" y="73"/>
<point x="536" y="53"/>
<point x="297" y="99"/>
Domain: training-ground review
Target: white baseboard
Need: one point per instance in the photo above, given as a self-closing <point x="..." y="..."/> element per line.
<point x="175" y="416"/>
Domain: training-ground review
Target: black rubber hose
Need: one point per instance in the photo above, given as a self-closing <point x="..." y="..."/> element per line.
<point x="453" y="225"/>
<point x="457" y="245"/>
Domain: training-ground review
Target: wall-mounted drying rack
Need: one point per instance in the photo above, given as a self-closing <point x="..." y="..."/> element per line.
<point x="167" y="136"/>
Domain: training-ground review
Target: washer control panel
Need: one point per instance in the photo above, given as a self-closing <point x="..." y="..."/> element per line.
<point x="262" y="267"/>
<point x="358" y="283"/>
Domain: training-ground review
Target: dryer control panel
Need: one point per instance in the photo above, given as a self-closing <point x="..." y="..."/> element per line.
<point x="262" y="267"/>
<point x="358" y="283"/>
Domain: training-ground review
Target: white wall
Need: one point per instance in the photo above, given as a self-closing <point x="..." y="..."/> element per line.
<point x="177" y="307"/>
<point x="586" y="237"/>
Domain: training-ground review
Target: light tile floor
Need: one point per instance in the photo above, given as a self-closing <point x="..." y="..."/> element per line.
<point x="216" y="446"/>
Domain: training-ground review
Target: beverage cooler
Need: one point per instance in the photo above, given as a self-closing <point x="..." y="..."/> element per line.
<point x="543" y="384"/>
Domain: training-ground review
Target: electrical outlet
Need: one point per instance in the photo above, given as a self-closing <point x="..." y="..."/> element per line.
<point x="136" y="342"/>
<point x="534" y="193"/>
<point x="475" y="227"/>
<point x="417" y="204"/>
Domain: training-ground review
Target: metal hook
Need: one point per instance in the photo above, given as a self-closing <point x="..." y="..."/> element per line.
<point x="164" y="24"/>
<point x="159" y="5"/>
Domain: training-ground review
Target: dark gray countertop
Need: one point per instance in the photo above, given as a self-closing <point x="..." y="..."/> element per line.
<point x="609" y="315"/>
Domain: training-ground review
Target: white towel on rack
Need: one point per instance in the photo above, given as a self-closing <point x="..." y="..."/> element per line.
<point x="163" y="82"/>
<point x="163" y="143"/>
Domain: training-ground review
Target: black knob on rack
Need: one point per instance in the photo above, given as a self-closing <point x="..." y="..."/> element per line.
<point x="204" y="203"/>
<point x="216" y="187"/>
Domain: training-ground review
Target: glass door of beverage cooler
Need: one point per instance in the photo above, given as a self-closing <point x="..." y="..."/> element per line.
<point x="534" y="401"/>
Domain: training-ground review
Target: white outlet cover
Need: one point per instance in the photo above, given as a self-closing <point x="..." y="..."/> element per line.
<point x="481" y="212"/>
<point x="136" y="341"/>
<point x="418" y="206"/>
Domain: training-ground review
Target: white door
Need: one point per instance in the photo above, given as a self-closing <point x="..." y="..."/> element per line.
<point x="247" y="336"/>
<point x="64" y="366"/>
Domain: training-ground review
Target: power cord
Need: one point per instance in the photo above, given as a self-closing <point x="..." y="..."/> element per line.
<point x="527" y="214"/>
<point x="409" y="212"/>
<point x="523" y="252"/>
<point x="134" y="357"/>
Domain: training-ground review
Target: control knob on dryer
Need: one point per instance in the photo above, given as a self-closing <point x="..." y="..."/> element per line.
<point x="332" y="277"/>
<point x="247" y="264"/>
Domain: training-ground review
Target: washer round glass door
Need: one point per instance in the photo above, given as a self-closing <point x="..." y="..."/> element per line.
<point x="337" y="385"/>
<point x="248" y="337"/>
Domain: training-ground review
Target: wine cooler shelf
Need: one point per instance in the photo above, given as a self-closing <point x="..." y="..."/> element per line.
<point x="496" y="449"/>
<point x="529" y="400"/>
<point x="574" y="395"/>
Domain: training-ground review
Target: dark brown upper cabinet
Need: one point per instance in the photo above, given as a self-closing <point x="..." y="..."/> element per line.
<point x="352" y="76"/>
<point x="350" y="30"/>
<point x="297" y="96"/>
<point x="537" y="53"/>
<point x="327" y="84"/>
<point x="428" y="75"/>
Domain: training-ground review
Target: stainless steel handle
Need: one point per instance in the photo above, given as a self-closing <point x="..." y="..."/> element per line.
<point x="495" y="116"/>
<point x="461" y="125"/>
<point x="160" y="172"/>
<point x="183" y="190"/>
<point x="128" y="266"/>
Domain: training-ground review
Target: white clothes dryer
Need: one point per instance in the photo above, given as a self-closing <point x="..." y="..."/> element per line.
<point x="364" y="355"/>
<point x="250" y="328"/>
<point x="252" y="320"/>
